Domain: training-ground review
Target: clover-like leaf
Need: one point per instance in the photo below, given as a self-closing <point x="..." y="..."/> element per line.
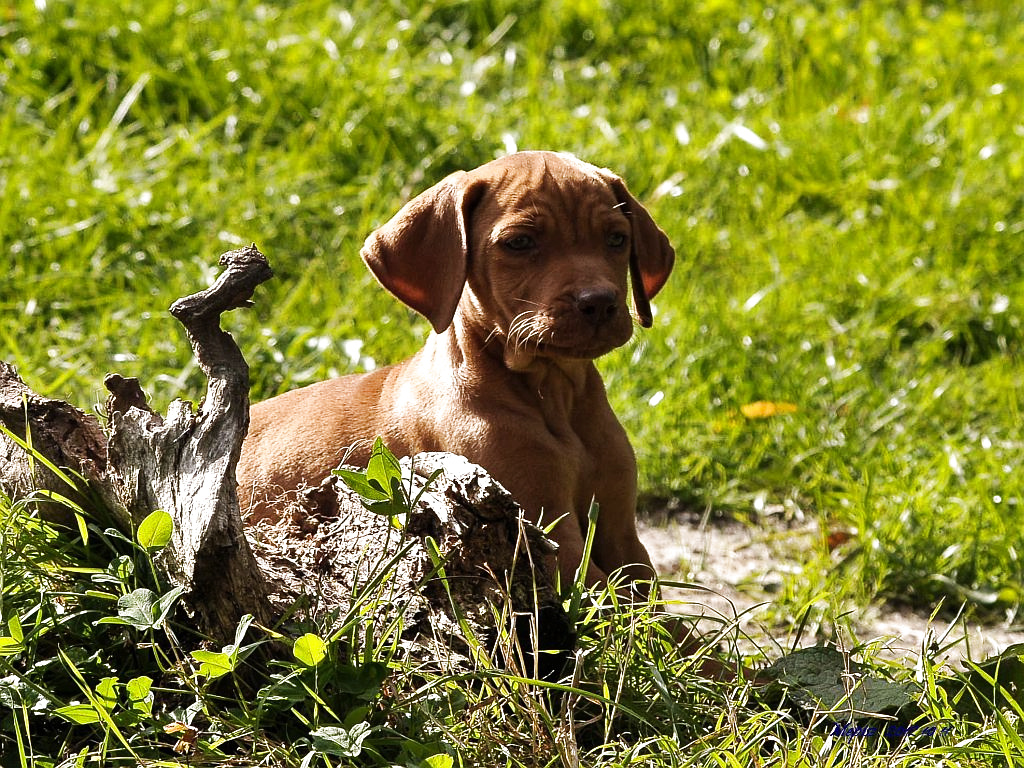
<point x="310" y="649"/>
<point x="341" y="742"/>
<point x="155" y="531"/>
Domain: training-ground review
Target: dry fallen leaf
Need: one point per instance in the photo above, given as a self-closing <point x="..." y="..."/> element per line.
<point x="187" y="740"/>
<point x="837" y="538"/>
<point x="765" y="409"/>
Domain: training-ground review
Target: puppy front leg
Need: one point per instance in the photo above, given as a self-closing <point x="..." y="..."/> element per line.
<point x="617" y="546"/>
<point x="623" y="551"/>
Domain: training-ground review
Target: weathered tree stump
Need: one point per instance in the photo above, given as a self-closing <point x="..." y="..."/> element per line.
<point x="464" y="564"/>
<point x="185" y="464"/>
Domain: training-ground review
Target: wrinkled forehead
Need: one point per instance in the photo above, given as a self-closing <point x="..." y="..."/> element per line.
<point x="548" y="186"/>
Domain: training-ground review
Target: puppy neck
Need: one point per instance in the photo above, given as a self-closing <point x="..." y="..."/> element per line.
<point x="558" y="377"/>
<point x="479" y="354"/>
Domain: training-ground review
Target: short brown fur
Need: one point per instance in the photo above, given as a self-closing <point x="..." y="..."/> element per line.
<point x="522" y="266"/>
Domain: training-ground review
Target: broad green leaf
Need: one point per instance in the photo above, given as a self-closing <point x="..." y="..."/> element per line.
<point x="287" y="689"/>
<point x="380" y="484"/>
<point x="364" y="681"/>
<point x="165" y="604"/>
<point x="439" y="761"/>
<point x="139" y="693"/>
<point x="106" y="693"/>
<point x="122" y="568"/>
<point x="397" y="491"/>
<point x="357" y="482"/>
<point x="142" y="609"/>
<point x="384" y="472"/>
<point x="10" y="646"/>
<point x="213" y="664"/>
<point x="822" y="677"/>
<point x="136" y="608"/>
<point x="83" y="714"/>
<point x="139" y="687"/>
<point x="387" y="508"/>
<point x="155" y="531"/>
<point x="310" y="649"/>
<point x="236" y="650"/>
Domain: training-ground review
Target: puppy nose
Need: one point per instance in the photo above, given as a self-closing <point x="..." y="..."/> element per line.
<point x="597" y="304"/>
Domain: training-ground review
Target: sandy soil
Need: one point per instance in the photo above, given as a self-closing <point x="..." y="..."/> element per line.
<point x="739" y="567"/>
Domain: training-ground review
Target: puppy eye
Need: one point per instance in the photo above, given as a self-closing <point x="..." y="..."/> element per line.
<point x="616" y="240"/>
<point x="520" y="243"/>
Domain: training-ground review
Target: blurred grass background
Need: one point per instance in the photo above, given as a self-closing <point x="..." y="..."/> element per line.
<point x="842" y="182"/>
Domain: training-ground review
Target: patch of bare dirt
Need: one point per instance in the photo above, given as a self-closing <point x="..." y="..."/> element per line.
<point x="737" y="568"/>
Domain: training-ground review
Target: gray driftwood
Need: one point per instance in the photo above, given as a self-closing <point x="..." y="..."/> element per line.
<point x="464" y="562"/>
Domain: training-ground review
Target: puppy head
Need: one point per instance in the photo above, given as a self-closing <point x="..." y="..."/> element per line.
<point x="533" y="248"/>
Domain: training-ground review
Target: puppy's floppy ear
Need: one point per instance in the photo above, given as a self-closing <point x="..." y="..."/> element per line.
<point x="421" y="255"/>
<point x="651" y="255"/>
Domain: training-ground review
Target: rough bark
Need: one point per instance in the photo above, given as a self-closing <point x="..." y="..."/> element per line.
<point x="68" y="438"/>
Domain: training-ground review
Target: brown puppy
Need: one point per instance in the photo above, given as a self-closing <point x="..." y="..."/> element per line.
<point x="521" y="266"/>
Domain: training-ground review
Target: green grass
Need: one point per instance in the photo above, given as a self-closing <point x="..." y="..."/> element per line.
<point x="859" y="254"/>
<point x="97" y="668"/>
